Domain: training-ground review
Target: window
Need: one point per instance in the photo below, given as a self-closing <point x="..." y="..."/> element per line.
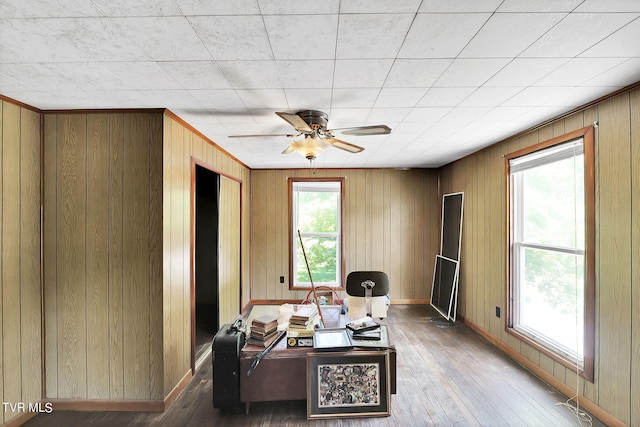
<point x="316" y="212"/>
<point x="551" y="258"/>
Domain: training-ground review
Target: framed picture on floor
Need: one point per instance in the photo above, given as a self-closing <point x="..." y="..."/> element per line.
<point x="348" y="384"/>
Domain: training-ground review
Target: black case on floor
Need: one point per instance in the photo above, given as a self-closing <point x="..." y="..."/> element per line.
<point x="225" y="356"/>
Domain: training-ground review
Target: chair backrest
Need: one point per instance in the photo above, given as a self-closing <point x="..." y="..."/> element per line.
<point x="355" y="279"/>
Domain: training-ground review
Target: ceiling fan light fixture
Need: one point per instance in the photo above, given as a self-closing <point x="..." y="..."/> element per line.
<point x="310" y="147"/>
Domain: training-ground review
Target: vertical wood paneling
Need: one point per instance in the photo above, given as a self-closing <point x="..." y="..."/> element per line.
<point x="167" y="258"/>
<point x="97" y="251"/>
<point x="615" y="216"/>
<point x="115" y="264"/>
<point x="186" y="242"/>
<point x="156" y="355"/>
<point x="381" y="207"/>
<point x="72" y="193"/>
<point x="20" y="296"/>
<point x="11" y="296"/>
<point x="50" y="255"/>
<point x="229" y="249"/>
<point x="136" y="254"/>
<point x="617" y="368"/>
<point x="635" y="256"/>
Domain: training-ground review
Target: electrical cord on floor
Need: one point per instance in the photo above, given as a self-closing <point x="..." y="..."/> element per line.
<point x="583" y="418"/>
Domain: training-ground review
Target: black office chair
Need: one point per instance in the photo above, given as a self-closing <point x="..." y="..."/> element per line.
<point x="368" y="285"/>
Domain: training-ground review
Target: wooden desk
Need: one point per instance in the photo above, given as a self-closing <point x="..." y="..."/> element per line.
<point x="282" y="374"/>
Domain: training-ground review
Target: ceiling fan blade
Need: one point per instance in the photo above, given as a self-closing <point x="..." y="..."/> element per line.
<point x="288" y="150"/>
<point x="364" y="130"/>
<point x="346" y="146"/>
<point x="288" y="135"/>
<point x="295" y="121"/>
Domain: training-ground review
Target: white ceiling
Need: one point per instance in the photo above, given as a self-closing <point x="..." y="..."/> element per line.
<point x="449" y="77"/>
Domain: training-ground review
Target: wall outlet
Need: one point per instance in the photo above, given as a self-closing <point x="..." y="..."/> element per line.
<point x="497" y="312"/>
<point x="281" y="279"/>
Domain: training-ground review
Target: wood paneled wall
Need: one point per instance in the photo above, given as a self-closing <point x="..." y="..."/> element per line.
<point x="102" y="255"/>
<point x="616" y="388"/>
<point x="181" y="146"/>
<point x="391" y="224"/>
<point x="20" y="293"/>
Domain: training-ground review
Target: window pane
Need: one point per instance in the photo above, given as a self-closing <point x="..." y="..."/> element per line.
<point x="551" y="297"/>
<point x="317" y="212"/>
<point x="553" y="204"/>
<point x="321" y="255"/>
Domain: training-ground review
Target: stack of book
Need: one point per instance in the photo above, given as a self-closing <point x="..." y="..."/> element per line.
<point x="263" y="330"/>
<point x="364" y="328"/>
<point x="302" y="325"/>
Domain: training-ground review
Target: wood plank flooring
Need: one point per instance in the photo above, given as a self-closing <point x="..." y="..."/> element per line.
<point x="446" y="376"/>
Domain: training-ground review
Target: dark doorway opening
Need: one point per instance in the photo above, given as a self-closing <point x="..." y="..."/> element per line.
<point x="207" y="201"/>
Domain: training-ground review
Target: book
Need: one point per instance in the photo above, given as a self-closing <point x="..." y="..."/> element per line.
<point x="303" y="314"/>
<point x="263" y="342"/>
<point x="264" y="323"/>
<point x="363" y="324"/>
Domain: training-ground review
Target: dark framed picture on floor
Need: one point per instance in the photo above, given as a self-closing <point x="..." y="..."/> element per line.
<point x="348" y="384"/>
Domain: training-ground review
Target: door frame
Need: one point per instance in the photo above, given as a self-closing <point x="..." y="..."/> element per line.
<point x="192" y="244"/>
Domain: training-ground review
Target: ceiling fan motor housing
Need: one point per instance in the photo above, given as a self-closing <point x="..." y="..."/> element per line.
<point x="315" y="119"/>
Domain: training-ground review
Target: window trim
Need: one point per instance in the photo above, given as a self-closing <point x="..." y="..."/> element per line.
<point x="341" y="278"/>
<point x="587" y="133"/>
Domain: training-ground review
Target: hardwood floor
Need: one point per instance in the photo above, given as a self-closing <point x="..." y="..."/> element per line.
<point x="446" y="376"/>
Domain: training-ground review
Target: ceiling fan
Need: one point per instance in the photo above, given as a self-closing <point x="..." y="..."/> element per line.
<point x="317" y="138"/>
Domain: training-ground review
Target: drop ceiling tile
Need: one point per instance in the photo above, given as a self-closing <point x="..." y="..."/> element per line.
<point x="624" y="74"/>
<point x="609" y="6"/>
<point x="464" y="114"/>
<point x="298" y="7"/>
<point x="361" y="73"/>
<point x="416" y="72"/>
<point x="387" y="115"/>
<point x="379" y="6"/>
<point x="577" y="71"/>
<point x="347" y="116"/>
<point x="221" y="99"/>
<point x="197" y="74"/>
<point x="251" y="74"/>
<point x="10" y="56"/>
<point x="89" y="76"/>
<point x="371" y="36"/>
<point x="181" y="43"/>
<point x="302" y="36"/>
<point x="137" y="8"/>
<point x="38" y="77"/>
<point x="142" y="75"/>
<point x="427" y="114"/>
<point x="7" y="10"/>
<point x="36" y="42"/>
<point x="56" y="8"/>
<point x="577" y="33"/>
<point x="240" y="37"/>
<point x="445" y="96"/>
<point x="502" y="114"/>
<point x="236" y="7"/>
<point x="264" y="98"/>
<point x="170" y="98"/>
<point x="490" y="96"/>
<point x="539" y="5"/>
<point x="577" y="96"/>
<point x="470" y="72"/>
<point x="533" y="96"/>
<point x="525" y="71"/>
<point x="508" y="34"/>
<point x="619" y="44"/>
<point x="96" y="39"/>
<point x="353" y="98"/>
<point x="441" y="35"/>
<point x="305" y="74"/>
<point x="399" y="97"/>
<point x="459" y="6"/>
<point x="308" y="99"/>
